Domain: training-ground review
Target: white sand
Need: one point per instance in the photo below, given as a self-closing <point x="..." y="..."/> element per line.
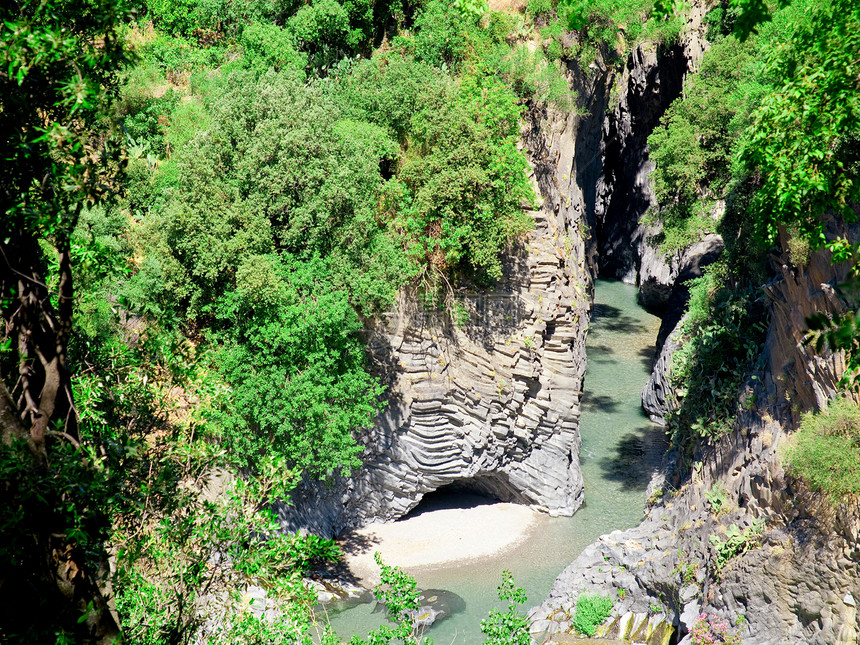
<point x="435" y="537"/>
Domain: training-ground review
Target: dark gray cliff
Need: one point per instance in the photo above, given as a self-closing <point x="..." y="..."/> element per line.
<point x="801" y="584"/>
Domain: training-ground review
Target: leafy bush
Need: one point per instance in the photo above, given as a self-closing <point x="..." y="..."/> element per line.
<point x="591" y="612"/>
<point x="296" y="369"/>
<point x="462" y="195"/>
<point x="737" y="543"/>
<point x="537" y="8"/>
<point x="726" y="329"/>
<point x="510" y="627"/>
<point x="804" y="134"/>
<point x="267" y="45"/>
<point x="530" y="74"/>
<point x="441" y="34"/>
<point x="397" y="590"/>
<point x="825" y="450"/>
<point x="604" y="21"/>
<point x="701" y="133"/>
<point x="175" y="55"/>
<point x="388" y="90"/>
<point x="693" y="144"/>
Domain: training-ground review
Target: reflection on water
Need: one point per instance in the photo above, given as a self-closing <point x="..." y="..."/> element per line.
<point x="620" y="448"/>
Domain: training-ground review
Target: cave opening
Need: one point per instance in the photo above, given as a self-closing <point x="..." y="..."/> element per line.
<point x="468" y="493"/>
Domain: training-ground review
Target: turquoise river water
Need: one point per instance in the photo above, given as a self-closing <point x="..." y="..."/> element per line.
<point x="620" y="447"/>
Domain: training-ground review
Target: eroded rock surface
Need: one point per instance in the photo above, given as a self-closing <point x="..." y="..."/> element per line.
<point x="800" y="579"/>
<point x="490" y="404"/>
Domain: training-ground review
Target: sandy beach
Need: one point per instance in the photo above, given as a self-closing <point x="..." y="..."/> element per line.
<point x="437" y="536"/>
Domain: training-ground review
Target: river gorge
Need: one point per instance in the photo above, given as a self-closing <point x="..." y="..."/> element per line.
<point x="620" y="450"/>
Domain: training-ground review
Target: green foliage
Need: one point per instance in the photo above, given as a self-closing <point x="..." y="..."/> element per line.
<point x="466" y="187"/>
<point x="442" y="32"/>
<point x="510" y="627"/>
<point x="538" y="8"/>
<point x="73" y="496"/>
<point x="693" y="145"/>
<point x="591" y="612"/>
<point x="530" y="74"/>
<point x="702" y="131"/>
<point x="270" y="46"/>
<point x="737" y="543"/>
<point x="398" y="591"/>
<point x="840" y="332"/>
<point x="825" y="450"/>
<point x="388" y="90"/>
<point x="60" y="63"/>
<point x="803" y="141"/>
<point x="616" y="24"/>
<point x="718" y="500"/>
<point x="472" y="8"/>
<point x="296" y="389"/>
<point x="177" y="581"/>
<point x="726" y="326"/>
<point x="175" y="54"/>
<point x="213" y="18"/>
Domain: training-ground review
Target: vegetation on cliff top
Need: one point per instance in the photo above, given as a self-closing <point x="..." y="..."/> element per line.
<point x="757" y="150"/>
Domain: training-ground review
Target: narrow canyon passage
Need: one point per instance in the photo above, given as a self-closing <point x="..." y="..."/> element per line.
<point x="620" y="449"/>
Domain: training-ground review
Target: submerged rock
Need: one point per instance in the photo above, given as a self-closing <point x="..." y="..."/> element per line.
<point x="437" y="605"/>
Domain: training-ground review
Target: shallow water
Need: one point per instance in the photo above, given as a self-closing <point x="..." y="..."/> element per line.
<point x="620" y="447"/>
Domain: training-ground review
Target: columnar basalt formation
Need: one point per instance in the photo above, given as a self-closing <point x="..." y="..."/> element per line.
<point x="485" y="394"/>
<point x="801" y="584"/>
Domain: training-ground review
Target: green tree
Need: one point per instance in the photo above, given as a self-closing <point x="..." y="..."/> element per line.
<point x="59" y="64"/>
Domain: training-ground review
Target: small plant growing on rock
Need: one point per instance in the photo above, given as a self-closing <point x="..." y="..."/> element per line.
<point x="591" y="611"/>
<point x="718" y="500"/>
<point x="710" y="630"/>
<point x="737" y="543"/>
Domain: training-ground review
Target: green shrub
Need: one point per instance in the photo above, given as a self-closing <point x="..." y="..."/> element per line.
<point x="441" y="34"/>
<point x="508" y="627"/>
<point x="825" y="450"/>
<point x="388" y="90"/>
<point x="725" y="327"/>
<point x="591" y="611"/>
<point x="538" y="8"/>
<point x="267" y="45"/>
<point x="530" y="74"/>
<point x="737" y="543"/>
<point x="462" y="196"/>
<point x="606" y="20"/>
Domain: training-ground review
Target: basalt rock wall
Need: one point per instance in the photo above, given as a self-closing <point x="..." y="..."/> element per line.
<point x="490" y="402"/>
<point x="799" y="582"/>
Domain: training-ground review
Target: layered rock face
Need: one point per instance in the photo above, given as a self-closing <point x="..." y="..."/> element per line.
<point x="487" y="401"/>
<point x="648" y="84"/>
<point x="800" y="579"/>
